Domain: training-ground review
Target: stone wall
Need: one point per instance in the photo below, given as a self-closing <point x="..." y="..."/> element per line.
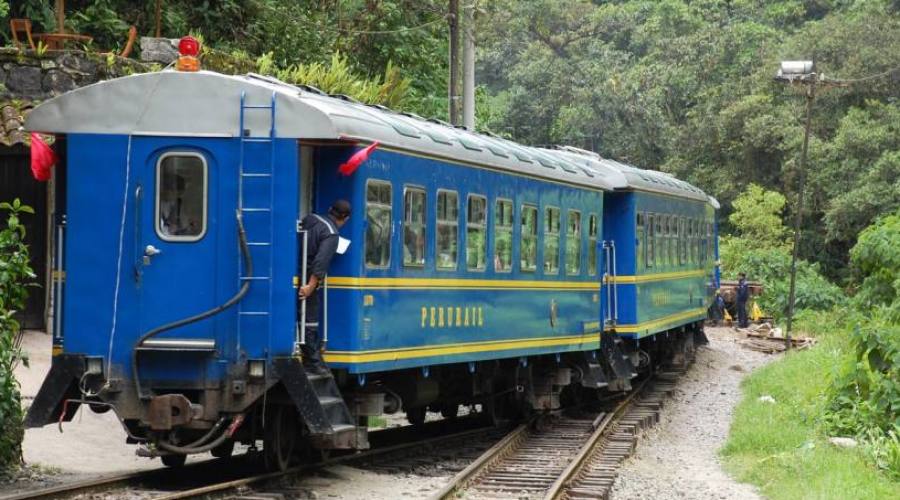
<point x="28" y="76"/>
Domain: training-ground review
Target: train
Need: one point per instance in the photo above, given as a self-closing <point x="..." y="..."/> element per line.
<point x="480" y="272"/>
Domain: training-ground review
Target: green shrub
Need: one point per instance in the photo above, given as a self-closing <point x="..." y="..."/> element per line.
<point x="15" y="273"/>
<point x="876" y="257"/>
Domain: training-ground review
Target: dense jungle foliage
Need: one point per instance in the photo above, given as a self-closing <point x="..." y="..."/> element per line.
<point x="15" y="274"/>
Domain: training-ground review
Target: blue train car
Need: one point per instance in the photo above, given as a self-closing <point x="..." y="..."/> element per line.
<point x="480" y="271"/>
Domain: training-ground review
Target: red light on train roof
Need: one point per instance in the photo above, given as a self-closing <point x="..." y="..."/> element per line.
<point x="188" y="50"/>
<point x="189" y="46"/>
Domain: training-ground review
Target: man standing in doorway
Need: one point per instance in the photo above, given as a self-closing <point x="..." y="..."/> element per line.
<point x="743" y="295"/>
<point x="322" y="243"/>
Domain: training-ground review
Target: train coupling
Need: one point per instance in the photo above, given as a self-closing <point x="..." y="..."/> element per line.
<point x="171" y="410"/>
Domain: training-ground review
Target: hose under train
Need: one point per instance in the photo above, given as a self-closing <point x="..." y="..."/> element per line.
<point x="245" y="287"/>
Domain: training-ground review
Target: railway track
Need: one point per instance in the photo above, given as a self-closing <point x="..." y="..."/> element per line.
<point x="239" y="475"/>
<point x="569" y="457"/>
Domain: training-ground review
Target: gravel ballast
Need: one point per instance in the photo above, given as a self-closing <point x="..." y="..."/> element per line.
<point x="678" y="458"/>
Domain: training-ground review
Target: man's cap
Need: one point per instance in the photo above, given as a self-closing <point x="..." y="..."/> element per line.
<point x="341" y="208"/>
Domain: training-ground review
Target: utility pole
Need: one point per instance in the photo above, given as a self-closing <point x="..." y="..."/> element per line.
<point x="469" y="65"/>
<point x="798" y="219"/>
<point x="453" y="85"/>
<point x="804" y="73"/>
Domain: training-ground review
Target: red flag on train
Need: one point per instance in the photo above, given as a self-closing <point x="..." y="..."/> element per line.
<point x="42" y="158"/>
<point x="350" y="166"/>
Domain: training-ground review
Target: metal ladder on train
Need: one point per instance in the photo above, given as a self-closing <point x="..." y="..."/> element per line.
<point x="326" y="414"/>
<point x="258" y="211"/>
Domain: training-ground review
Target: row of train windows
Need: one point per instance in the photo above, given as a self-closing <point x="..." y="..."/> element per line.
<point x="447" y="220"/>
<point x="671" y="241"/>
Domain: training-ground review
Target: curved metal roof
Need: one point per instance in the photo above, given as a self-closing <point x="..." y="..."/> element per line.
<point x="636" y="178"/>
<point x="207" y="104"/>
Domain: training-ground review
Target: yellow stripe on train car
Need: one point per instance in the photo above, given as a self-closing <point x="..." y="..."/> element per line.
<point x="658" y="322"/>
<point x="592" y="341"/>
<point x="456" y="283"/>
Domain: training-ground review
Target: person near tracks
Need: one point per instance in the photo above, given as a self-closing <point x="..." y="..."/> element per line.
<point x="743" y="295"/>
<point x="322" y="244"/>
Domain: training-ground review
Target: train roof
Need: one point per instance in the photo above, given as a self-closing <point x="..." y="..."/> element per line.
<point x="636" y="178"/>
<point x="207" y="104"/>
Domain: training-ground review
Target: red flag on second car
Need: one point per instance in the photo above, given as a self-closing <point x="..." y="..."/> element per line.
<point x="350" y="166"/>
<point x="42" y="158"/>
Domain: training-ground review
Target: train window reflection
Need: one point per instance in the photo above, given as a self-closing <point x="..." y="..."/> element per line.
<point x="503" y="227"/>
<point x="551" y="240"/>
<point x="476" y="244"/>
<point x="414" y="227"/>
<point x="378" y="223"/>
<point x="592" y="244"/>
<point x="639" y="241"/>
<point x="447" y="233"/>
<point x="573" y="243"/>
<point x="528" y="247"/>
<point x="181" y="192"/>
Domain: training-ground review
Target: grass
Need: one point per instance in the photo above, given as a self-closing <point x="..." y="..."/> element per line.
<point x="780" y="447"/>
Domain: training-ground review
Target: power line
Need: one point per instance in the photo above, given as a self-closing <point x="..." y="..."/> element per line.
<point x="382" y="32"/>
<point x="867" y="78"/>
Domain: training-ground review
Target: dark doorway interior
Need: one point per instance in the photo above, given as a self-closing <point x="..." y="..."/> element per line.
<point x="16" y="182"/>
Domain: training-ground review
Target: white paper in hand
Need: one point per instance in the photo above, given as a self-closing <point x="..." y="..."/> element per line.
<point x="343" y="245"/>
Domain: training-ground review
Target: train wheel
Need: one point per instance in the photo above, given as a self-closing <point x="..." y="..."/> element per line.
<point x="173" y="460"/>
<point x="416" y="416"/>
<point x="450" y="411"/>
<point x="280" y="438"/>
<point x="224" y="450"/>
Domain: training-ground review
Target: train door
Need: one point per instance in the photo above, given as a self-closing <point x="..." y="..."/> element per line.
<point x="176" y="234"/>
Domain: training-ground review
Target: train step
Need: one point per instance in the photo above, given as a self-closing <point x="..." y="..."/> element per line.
<point x="322" y="407"/>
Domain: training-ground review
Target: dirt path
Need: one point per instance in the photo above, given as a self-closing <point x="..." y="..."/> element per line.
<point x="678" y="459"/>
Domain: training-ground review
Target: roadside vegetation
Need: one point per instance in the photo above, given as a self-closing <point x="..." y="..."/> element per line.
<point x="15" y="273"/>
<point x="847" y="386"/>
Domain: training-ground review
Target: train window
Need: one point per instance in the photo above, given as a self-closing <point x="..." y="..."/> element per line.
<point x="592" y="244"/>
<point x="671" y="255"/>
<point x="181" y="192"/>
<point x="476" y="242"/>
<point x="695" y="239"/>
<point x="414" y="227"/>
<point x="447" y="229"/>
<point x="551" y="240"/>
<point x="658" y="241"/>
<point x="528" y="243"/>
<point x="503" y="228"/>
<point x="378" y="223"/>
<point x="701" y="243"/>
<point x="690" y="240"/>
<point x="682" y="241"/>
<point x="651" y="241"/>
<point x="573" y="243"/>
<point x="639" y="240"/>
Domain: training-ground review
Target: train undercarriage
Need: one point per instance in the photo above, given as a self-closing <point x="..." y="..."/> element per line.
<point x="296" y="415"/>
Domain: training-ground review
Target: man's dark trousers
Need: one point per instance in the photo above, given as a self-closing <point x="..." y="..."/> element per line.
<point x="743" y="322"/>
<point x="311" y="350"/>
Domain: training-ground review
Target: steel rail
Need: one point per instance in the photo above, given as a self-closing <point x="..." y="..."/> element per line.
<point x="484" y="461"/>
<point x="509" y="444"/>
<point x="227" y="485"/>
<point x="558" y="487"/>
<point x="136" y="478"/>
<point x="85" y="486"/>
